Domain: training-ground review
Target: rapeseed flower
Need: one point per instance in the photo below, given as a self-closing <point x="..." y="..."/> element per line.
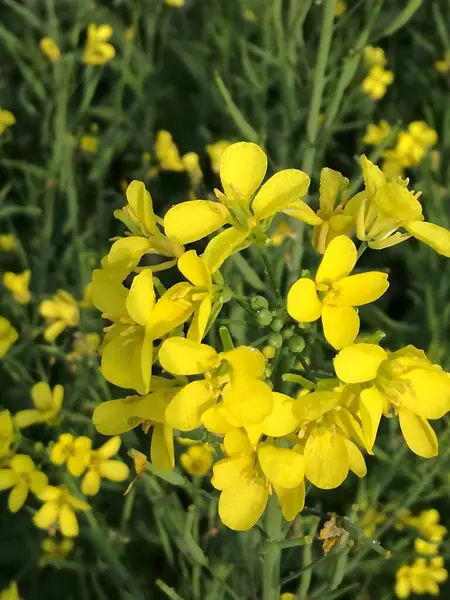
<point x="191" y="163"/>
<point x="374" y="55"/>
<point x="7" y="242"/>
<point x="377" y="82"/>
<point x="89" y="141"/>
<point x="8" y="335"/>
<point x="405" y="382"/>
<point x="287" y="596"/>
<point x="21" y="477"/>
<point x="58" y="511"/>
<point x="72" y="450"/>
<point x="47" y="404"/>
<point x="17" y="284"/>
<point x="215" y="152"/>
<point x="197" y="460"/>
<point x="85" y="346"/>
<point x="10" y="593"/>
<point x="282" y="232"/>
<point x="248" y="212"/>
<point x="6" y="432"/>
<point x="340" y="8"/>
<point x="54" y="549"/>
<point x="175" y="3"/>
<point x="167" y="152"/>
<point x="50" y="49"/>
<point x="7" y="119"/>
<point x="60" y="312"/>
<point x="443" y="65"/>
<point x="334" y="293"/>
<point x="422" y="577"/>
<point x="98" y="51"/>
<point x="376" y="134"/>
<point x="235" y="375"/>
<point x="101" y="466"/>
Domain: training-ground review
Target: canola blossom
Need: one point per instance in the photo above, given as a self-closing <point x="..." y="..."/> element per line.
<point x="272" y="425"/>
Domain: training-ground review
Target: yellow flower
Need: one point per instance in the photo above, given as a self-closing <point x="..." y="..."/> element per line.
<point x="167" y="152"/>
<point x="119" y="416"/>
<point x="388" y="206"/>
<point x="443" y="65"/>
<point x="10" y="593"/>
<point x="85" y="345"/>
<point x="50" y="49"/>
<point x="100" y="465"/>
<point x="281" y="233"/>
<point x="422" y="577"/>
<point x="7" y="242"/>
<point x="340" y="8"/>
<point x="215" y="152"/>
<point x="249" y="15"/>
<point x="60" y="312"/>
<point x="370" y="519"/>
<point x="377" y="82"/>
<point x="374" y="56"/>
<point x="89" y="143"/>
<point x="427" y="523"/>
<point x="175" y="3"/>
<point x="422" y="134"/>
<point x="6" y="432"/>
<point x="7" y="119"/>
<point x="75" y="451"/>
<point x="21" y="477"/>
<point x="54" y="549"/>
<point x="47" y="405"/>
<point x="58" y="511"/>
<point x="242" y="169"/>
<point x="17" y="284"/>
<point x="197" y="460"/>
<point x="129" y="34"/>
<point x="8" y="335"/>
<point x="191" y="163"/>
<point x="392" y="166"/>
<point x="334" y="293"/>
<point x="98" y="51"/>
<point x="405" y="382"/>
<point x="234" y="375"/>
<point x="375" y="134"/>
<point x="426" y="548"/>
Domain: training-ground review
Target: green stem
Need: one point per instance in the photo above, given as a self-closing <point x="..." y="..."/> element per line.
<point x="361" y="250"/>
<point x="271" y="565"/>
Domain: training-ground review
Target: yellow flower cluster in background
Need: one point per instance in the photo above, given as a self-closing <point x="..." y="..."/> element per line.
<point x="378" y="79"/>
<point x="7" y="119"/>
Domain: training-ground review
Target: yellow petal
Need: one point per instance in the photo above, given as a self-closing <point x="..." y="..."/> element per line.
<point x="161" y="449"/>
<point x="246" y="361"/>
<point x="359" y="362"/>
<point x="222" y="246"/>
<point x="282" y="420"/>
<point x="199" y="323"/>
<point x="194" y="269"/>
<point x="241" y="506"/>
<point x="303" y="303"/>
<point x="125" y="254"/>
<point x="398" y="202"/>
<point x="141" y="204"/>
<point x="141" y="298"/>
<point x="418" y="434"/>
<point x="22" y="463"/>
<point x="326" y="458"/>
<point x="301" y="211"/>
<point x="280" y="190"/>
<point x="215" y="421"/>
<point x="292" y="500"/>
<point x="187" y="407"/>
<point x="356" y="459"/>
<point x="91" y="483"/>
<point x="242" y="169"/>
<point x="38" y="482"/>
<point x="430" y="394"/>
<point x="229" y="472"/>
<point x="108" y="294"/>
<point x="338" y="260"/>
<point x="170" y="311"/>
<point x="249" y="401"/>
<point x="25" y="418"/>
<point x="115" y="416"/>
<point x="191" y="221"/>
<point x="314" y="405"/>
<point x="114" y="470"/>
<point x="371" y="406"/>
<point x="121" y="361"/>
<point x="68" y="521"/>
<point x="331" y="184"/>
<point x="282" y="466"/>
<point x="373" y="176"/>
<point x="340" y="325"/>
<point x="153" y="406"/>
<point x="433" y="235"/>
<point x="110" y="448"/>
<point x="236" y="443"/>
<point x="361" y="289"/>
<point x="8" y="478"/>
<point x="46" y="515"/>
<point x="180" y="356"/>
<point x="42" y="396"/>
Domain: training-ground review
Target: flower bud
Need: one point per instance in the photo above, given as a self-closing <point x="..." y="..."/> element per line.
<point x="259" y="303"/>
<point x="264" y="317"/>
<point x="296" y="344"/>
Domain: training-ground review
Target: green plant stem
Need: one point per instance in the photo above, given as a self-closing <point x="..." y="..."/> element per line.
<point x="271" y="564"/>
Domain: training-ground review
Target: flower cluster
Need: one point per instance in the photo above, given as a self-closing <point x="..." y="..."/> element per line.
<point x="378" y="78"/>
<point x="264" y="435"/>
<point x="97" y="52"/>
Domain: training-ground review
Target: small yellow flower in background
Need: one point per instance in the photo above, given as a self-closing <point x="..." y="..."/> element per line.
<point x="98" y="51"/>
<point x="443" y="65"/>
<point x="175" y="3"/>
<point x="7" y="119"/>
<point x="85" y="346"/>
<point x="50" y="49"/>
<point x="370" y="519"/>
<point x="334" y="293"/>
<point x="191" y="162"/>
<point x="58" y="511"/>
<point x="89" y="141"/>
<point x="198" y="459"/>
<point x="101" y="466"/>
<point x="375" y="134"/>
<point x="377" y="82"/>
<point x="423" y="134"/>
<point x="47" y="406"/>
<point x="7" y="242"/>
<point x="374" y="56"/>
<point x="8" y="335"/>
<point x="21" y="477"/>
<point x="287" y="596"/>
<point x="281" y="233"/>
<point x="75" y="451"/>
<point x="340" y="8"/>
<point x="60" y="312"/>
<point x="215" y="152"/>
<point x="167" y="152"/>
<point x="129" y="34"/>
<point x="6" y="432"/>
<point x="17" y="284"/>
<point x="427" y="524"/>
<point x="249" y="15"/>
<point x="54" y="549"/>
<point x="422" y="577"/>
<point x="10" y="593"/>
